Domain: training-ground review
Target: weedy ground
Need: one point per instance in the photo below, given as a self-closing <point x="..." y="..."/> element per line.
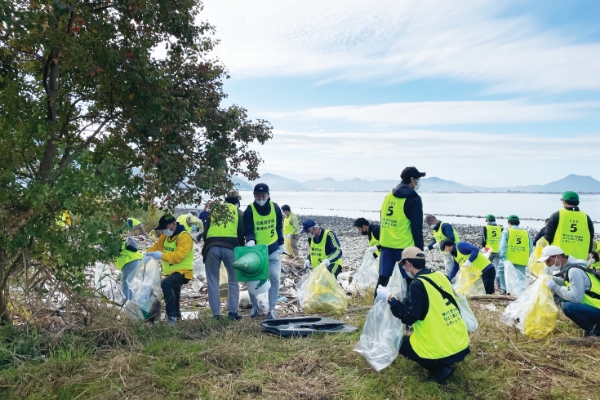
<point x="207" y="359"/>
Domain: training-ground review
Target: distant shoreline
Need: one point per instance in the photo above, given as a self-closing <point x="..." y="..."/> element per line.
<point x="422" y="191"/>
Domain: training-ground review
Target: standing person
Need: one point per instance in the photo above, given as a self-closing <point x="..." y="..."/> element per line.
<point x="441" y="230"/>
<point x="189" y="221"/>
<point x="204" y="213"/>
<point x="491" y="238"/>
<point x="263" y="224"/>
<point x="175" y="248"/>
<point x="372" y="230"/>
<point x="465" y="254"/>
<point x="440" y="337"/>
<point x="541" y="233"/>
<point x="135" y="226"/>
<point x="324" y="247"/>
<point x="577" y="286"/>
<point x="571" y="229"/>
<point x="219" y="241"/>
<point x="401" y="223"/>
<point x="515" y="246"/>
<point x="291" y="229"/>
<point x="128" y="259"/>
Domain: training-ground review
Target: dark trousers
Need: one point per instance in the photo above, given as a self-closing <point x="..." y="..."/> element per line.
<point x="488" y="278"/>
<point x="430" y="365"/>
<point x="586" y="317"/>
<point x="171" y="287"/>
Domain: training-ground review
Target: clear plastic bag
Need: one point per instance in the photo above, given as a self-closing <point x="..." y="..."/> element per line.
<point x="144" y="284"/>
<point x="534" y="313"/>
<point x="366" y="275"/>
<point x="301" y="286"/>
<point x="468" y="282"/>
<point x="516" y="282"/>
<point x="537" y="268"/>
<point x="323" y="293"/>
<point x="397" y="284"/>
<point x="381" y="336"/>
<point x="466" y="313"/>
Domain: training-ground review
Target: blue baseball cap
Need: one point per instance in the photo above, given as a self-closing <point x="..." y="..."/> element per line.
<point x="308" y="224"/>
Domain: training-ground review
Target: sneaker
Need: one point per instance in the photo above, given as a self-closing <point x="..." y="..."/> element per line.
<point x="272" y="315"/>
<point x="172" y="321"/>
<point x="234" y="316"/>
<point x="254" y="312"/>
<point x="442" y="374"/>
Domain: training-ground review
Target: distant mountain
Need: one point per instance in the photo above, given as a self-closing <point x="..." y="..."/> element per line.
<point x="241" y="184"/>
<point x="435" y="184"/>
<point x="576" y="183"/>
<point x="279" y="183"/>
<point x="323" y="184"/>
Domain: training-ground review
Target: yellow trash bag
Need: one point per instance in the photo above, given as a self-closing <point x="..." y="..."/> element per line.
<point x="468" y="282"/>
<point x="534" y="313"/>
<point x="323" y="293"/>
<point x="535" y="267"/>
<point x="223" y="282"/>
<point x="287" y="248"/>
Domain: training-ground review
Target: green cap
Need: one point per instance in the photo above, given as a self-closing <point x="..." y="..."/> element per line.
<point x="512" y="218"/>
<point x="490" y="217"/>
<point x="570" y="196"/>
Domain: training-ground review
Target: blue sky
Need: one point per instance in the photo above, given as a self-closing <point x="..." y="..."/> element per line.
<point x="492" y="93"/>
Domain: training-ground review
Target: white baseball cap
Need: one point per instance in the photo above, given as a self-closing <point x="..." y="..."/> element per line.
<point x="550" y="251"/>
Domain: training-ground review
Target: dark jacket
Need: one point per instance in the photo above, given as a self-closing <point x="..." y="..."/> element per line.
<point x="465" y="248"/>
<point x="264" y="210"/>
<point x="332" y="245"/>
<point x="229" y="243"/>
<point x="553" y="225"/>
<point x="413" y="209"/>
<point x="416" y="306"/>
<point x="540" y="235"/>
<point x="484" y="241"/>
<point x="447" y="230"/>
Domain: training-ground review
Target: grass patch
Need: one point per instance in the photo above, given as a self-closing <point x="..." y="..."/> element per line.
<point x="235" y="360"/>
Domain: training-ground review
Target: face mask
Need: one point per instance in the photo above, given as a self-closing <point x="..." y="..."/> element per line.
<point x="261" y="202"/>
<point x="417" y="186"/>
<point x="410" y="275"/>
<point x="431" y="226"/>
<point x="168" y="232"/>
<point x="310" y="235"/>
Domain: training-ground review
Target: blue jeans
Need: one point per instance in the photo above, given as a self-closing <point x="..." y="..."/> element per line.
<point x="126" y="273"/>
<point x="214" y="257"/>
<point x="586" y="317"/>
<point x="387" y="259"/>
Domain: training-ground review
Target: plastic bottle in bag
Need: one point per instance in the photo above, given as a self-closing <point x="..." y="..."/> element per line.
<point x="381" y="336"/>
<point x="146" y="292"/>
<point x="323" y="293"/>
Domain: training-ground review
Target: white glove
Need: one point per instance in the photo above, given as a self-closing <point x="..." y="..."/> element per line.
<point x="250" y="243"/>
<point x="307" y="263"/>
<point x="436" y="245"/>
<point x="382" y="293"/>
<point x="372" y="248"/>
<point x="288" y="236"/>
<point x="157" y="255"/>
<point x="326" y="262"/>
<point x="467" y="264"/>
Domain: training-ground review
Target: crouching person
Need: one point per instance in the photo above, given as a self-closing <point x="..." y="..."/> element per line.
<point x="127" y="261"/>
<point x="440" y="336"/>
<point x="175" y="248"/>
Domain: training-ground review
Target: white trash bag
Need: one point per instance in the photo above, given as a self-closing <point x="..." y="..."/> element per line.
<point x="144" y="284"/>
<point x="381" y="336"/>
<point x="301" y="286"/>
<point x="516" y="282"/>
<point x="466" y="313"/>
<point x="366" y="275"/>
<point x="397" y="284"/>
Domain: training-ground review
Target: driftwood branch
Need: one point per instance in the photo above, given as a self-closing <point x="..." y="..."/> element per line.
<point x="583" y="341"/>
<point x="492" y="297"/>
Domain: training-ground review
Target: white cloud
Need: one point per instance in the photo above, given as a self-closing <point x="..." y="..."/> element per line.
<point x="443" y="113"/>
<point x="400" y="41"/>
<point x="471" y="158"/>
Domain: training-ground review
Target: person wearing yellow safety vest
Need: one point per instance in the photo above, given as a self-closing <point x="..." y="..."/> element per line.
<point x="571" y="229"/>
<point x="373" y="231"/>
<point x="189" y="221"/>
<point x="467" y="255"/>
<point x="515" y="246"/>
<point x="440" y="338"/>
<point x="65" y="220"/>
<point x="175" y="248"/>
<point x="324" y="247"/>
<point x="401" y="223"/>
<point x="127" y="261"/>
<point x="219" y="241"/>
<point x="291" y="229"/>
<point x="441" y="230"/>
<point x="135" y="226"/>
<point x="491" y="238"/>
<point x="263" y="224"/>
<point x="578" y="286"/>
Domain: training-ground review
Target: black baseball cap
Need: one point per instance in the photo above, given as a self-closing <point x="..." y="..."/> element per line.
<point x="261" y="188"/>
<point x="411" y="172"/>
<point x="164" y="221"/>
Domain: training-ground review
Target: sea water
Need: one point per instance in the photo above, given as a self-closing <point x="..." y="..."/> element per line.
<point x="462" y="208"/>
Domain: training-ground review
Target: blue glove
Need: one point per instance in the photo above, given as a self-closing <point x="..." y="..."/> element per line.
<point x="281" y="248"/>
<point x="157" y="255"/>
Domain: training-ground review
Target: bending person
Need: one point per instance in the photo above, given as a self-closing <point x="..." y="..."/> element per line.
<point x="467" y="255"/>
<point x="324" y="247"/>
